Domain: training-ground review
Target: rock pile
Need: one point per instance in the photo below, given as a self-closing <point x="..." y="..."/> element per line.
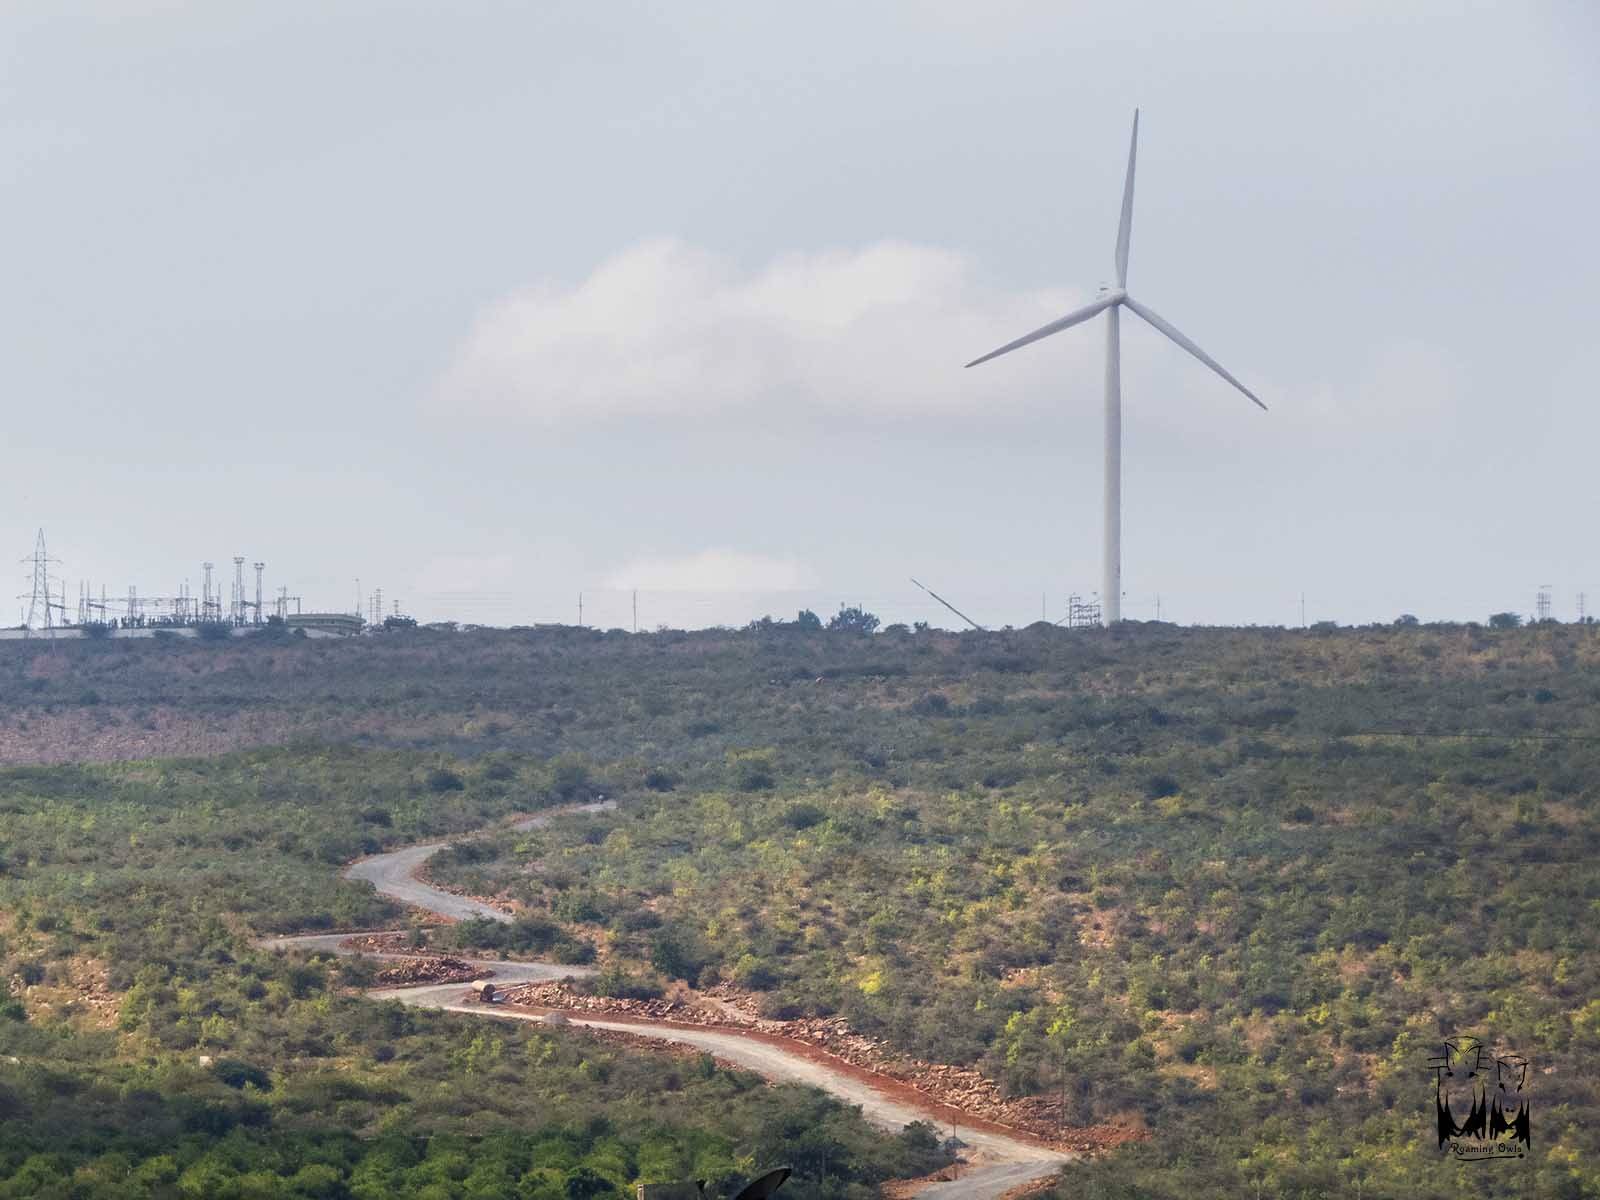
<point x="437" y="969"/>
<point x="561" y="995"/>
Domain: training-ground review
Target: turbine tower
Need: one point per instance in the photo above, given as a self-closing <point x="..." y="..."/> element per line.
<point x="1110" y="302"/>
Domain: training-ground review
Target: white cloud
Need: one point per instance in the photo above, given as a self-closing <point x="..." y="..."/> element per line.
<point x="670" y="329"/>
<point x="714" y="570"/>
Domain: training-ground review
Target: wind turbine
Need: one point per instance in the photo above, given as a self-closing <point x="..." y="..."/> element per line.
<point x="1110" y="302"/>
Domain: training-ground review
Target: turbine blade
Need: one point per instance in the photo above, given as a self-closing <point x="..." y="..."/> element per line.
<point x="1171" y="331"/>
<point x="1067" y="322"/>
<point x="1125" y="226"/>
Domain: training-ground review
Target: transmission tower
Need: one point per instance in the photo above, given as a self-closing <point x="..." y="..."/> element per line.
<point x="1542" y="603"/>
<point x="259" y="568"/>
<point x="205" y="594"/>
<point x="237" y="613"/>
<point x="41" y="604"/>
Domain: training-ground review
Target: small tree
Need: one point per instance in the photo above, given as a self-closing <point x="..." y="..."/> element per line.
<point x="570" y="776"/>
<point x="1505" y="620"/>
<point x="807" y="620"/>
<point x="853" y="620"/>
<point x="752" y="770"/>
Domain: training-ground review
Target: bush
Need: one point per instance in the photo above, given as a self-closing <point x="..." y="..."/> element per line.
<point x="578" y="906"/>
<point x="583" y="1183"/>
<point x="676" y="954"/>
<point x="573" y="952"/>
<point x="753" y="770"/>
<point x="237" y="1074"/>
<point x="803" y="816"/>
<point x="441" y="780"/>
<point x="1159" y="787"/>
<point x="531" y="935"/>
<point x="618" y="984"/>
<point x="569" y="777"/>
<point x="754" y="973"/>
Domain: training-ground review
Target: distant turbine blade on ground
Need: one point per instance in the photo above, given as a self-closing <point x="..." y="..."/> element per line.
<point x="951" y="607"/>
<point x="1171" y="331"/>
<point x="1125" y="227"/>
<point x="1066" y="322"/>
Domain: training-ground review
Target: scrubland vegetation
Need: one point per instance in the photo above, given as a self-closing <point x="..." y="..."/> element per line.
<point x="1233" y="885"/>
<point x="158" y="1054"/>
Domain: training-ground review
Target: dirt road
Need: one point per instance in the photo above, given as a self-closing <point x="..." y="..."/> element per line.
<point x="395" y="874"/>
<point x="1000" y="1163"/>
<point x="502" y="973"/>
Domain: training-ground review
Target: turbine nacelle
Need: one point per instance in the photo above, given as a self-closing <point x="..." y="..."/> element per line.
<point x="1118" y="296"/>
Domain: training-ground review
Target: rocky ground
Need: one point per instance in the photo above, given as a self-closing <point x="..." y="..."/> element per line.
<point x="81" y="989"/>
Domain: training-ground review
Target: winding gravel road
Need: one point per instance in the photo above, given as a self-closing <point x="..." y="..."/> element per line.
<point x="395" y="874"/>
<point x="1000" y="1163"/>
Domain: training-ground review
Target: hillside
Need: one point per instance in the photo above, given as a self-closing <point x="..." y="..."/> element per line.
<point x="1231" y="886"/>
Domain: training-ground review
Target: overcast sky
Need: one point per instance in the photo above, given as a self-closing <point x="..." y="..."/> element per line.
<point x="490" y="304"/>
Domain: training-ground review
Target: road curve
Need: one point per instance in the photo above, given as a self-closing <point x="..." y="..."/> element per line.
<point x="1002" y="1163"/>
<point x="395" y="874"/>
<point x="502" y="972"/>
